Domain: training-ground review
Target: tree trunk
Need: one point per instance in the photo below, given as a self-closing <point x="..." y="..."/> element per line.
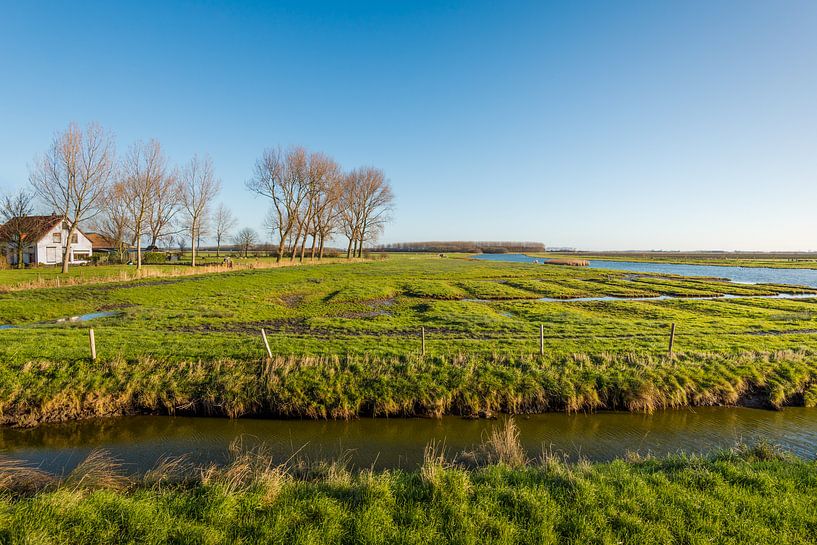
<point x="314" y="241"/>
<point x="303" y="246"/>
<point x="295" y="243"/>
<point x="349" y="249"/>
<point x="138" y="252"/>
<point x="66" y="254"/>
<point x="280" y="255"/>
<point x="320" y="253"/>
<point x="362" y="237"/>
<point x="20" y="264"/>
<point x="218" y="245"/>
<point x="193" y="245"/>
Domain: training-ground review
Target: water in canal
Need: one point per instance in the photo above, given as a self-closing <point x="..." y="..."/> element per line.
<point x="140" y="441"/>
<point x="748" y="275"/>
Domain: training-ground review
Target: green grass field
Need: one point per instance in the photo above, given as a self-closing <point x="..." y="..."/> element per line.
<point x="378" y="308"/>
<point x="754" y="495"/>
<point x="346" y="341"/>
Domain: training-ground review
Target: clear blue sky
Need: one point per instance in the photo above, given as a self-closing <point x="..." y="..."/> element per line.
<point x="601" y="125"/>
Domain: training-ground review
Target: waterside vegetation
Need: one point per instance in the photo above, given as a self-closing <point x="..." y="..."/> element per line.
<point x="496" y="494"/>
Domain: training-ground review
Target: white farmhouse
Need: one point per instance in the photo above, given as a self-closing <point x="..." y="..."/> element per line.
<point x="44" y="240"/>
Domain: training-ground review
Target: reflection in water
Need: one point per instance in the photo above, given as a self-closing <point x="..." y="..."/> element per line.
<point x="140" y="441"/>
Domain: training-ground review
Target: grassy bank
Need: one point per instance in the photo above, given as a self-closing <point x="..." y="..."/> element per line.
<point x="346" y="387"/>
<point x="746" y="495"/>
<point x="346" y="340"/>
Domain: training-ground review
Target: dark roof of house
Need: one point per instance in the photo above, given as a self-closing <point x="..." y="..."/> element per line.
<point x="34" y="227"/>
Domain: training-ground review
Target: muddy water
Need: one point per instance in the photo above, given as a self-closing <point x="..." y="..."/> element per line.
<point x="389" y="443"/>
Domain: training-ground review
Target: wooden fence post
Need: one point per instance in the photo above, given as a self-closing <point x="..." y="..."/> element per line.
<point x="671" y="337"/>
<point x="93" y="344"/>
<point x="423" y="341"/>
<point x="541" y="339"/>
<point x="266" y="343"/>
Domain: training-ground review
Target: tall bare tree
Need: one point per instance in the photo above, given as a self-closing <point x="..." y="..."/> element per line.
<point x="321" y="173"/>
<point x="365" y="203"/>
<point x="15" y="212"/>
<point x="223" y="222"/>
<point x="72" y="177"/>
<point x="325" y="212"/>
<point x="198" y="187"/>
<point x="114" y="221"/>
<point x="376" y="201"/>
<point x="281" y="177"/>
<point x="144" y="172"/>
<point x="162" y="220"/>
<point x="350" y="211"/>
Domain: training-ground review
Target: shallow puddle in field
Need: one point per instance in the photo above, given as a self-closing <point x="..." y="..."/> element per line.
<point x="73" y="319"/>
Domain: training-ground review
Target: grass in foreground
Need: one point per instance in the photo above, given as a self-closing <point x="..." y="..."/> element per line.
<point x="746" y="495"/>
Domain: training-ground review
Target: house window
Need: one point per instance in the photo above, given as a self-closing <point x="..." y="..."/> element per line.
<point x="65" y="226"/>
<point x="75" y="239"/>
<point x="56" y="237"/>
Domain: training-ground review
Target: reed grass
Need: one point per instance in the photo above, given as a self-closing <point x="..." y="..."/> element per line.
<point x="336" y="387"/>
<point x="751" y="494"/>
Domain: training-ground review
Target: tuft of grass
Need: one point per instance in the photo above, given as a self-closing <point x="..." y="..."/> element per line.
<point x="98" y="471"/>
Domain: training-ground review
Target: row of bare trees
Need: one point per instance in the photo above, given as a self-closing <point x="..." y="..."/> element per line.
<point x="150" y="201"/>
<point x="134" y="201"/>
<point x="140" y="200"/>
<point x="312" y="199"/>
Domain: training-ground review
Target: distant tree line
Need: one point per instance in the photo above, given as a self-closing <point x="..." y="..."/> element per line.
<point x="487" y="247"/>
<point x="140" y="201"/>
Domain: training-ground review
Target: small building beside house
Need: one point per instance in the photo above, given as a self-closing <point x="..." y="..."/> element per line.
<point x="45" y="239"/>
<point x="101" y="243"/>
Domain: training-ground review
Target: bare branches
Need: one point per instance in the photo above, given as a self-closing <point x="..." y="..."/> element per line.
<point x="15" y="210"/>
<point x="311" y="197"/>
<point x="224" y="222"/>
<point x="198" y="187"/>
<point x="282" y="178"/>
<point x="73" y="176"/>
<point x="114" y="221"/>
<point x="246" y="239"/>
<point x="365" y="205"/>
<point x="145" y="175"/>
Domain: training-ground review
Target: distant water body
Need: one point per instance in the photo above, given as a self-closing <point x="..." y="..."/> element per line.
<point x="745" y="275"/>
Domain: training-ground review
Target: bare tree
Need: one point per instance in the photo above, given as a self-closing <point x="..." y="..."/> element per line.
<point x="15" y="215"/>
<point x="350" y="211"/>
<point x="114" y="221"/>
<point x="281" y="177"/>
<point x="224" y="222"/>
<point x="161" y="222"/>
<point x="376" y="200"/>
<point x="144" y="171"/>
<point x="365" y="203"/>
<point x="73" y="176"/>
<point x="326" y="210"/>
<point x="321" y="171"/>
<point x="198" y="187"/>
<point x="245" y="239"/>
